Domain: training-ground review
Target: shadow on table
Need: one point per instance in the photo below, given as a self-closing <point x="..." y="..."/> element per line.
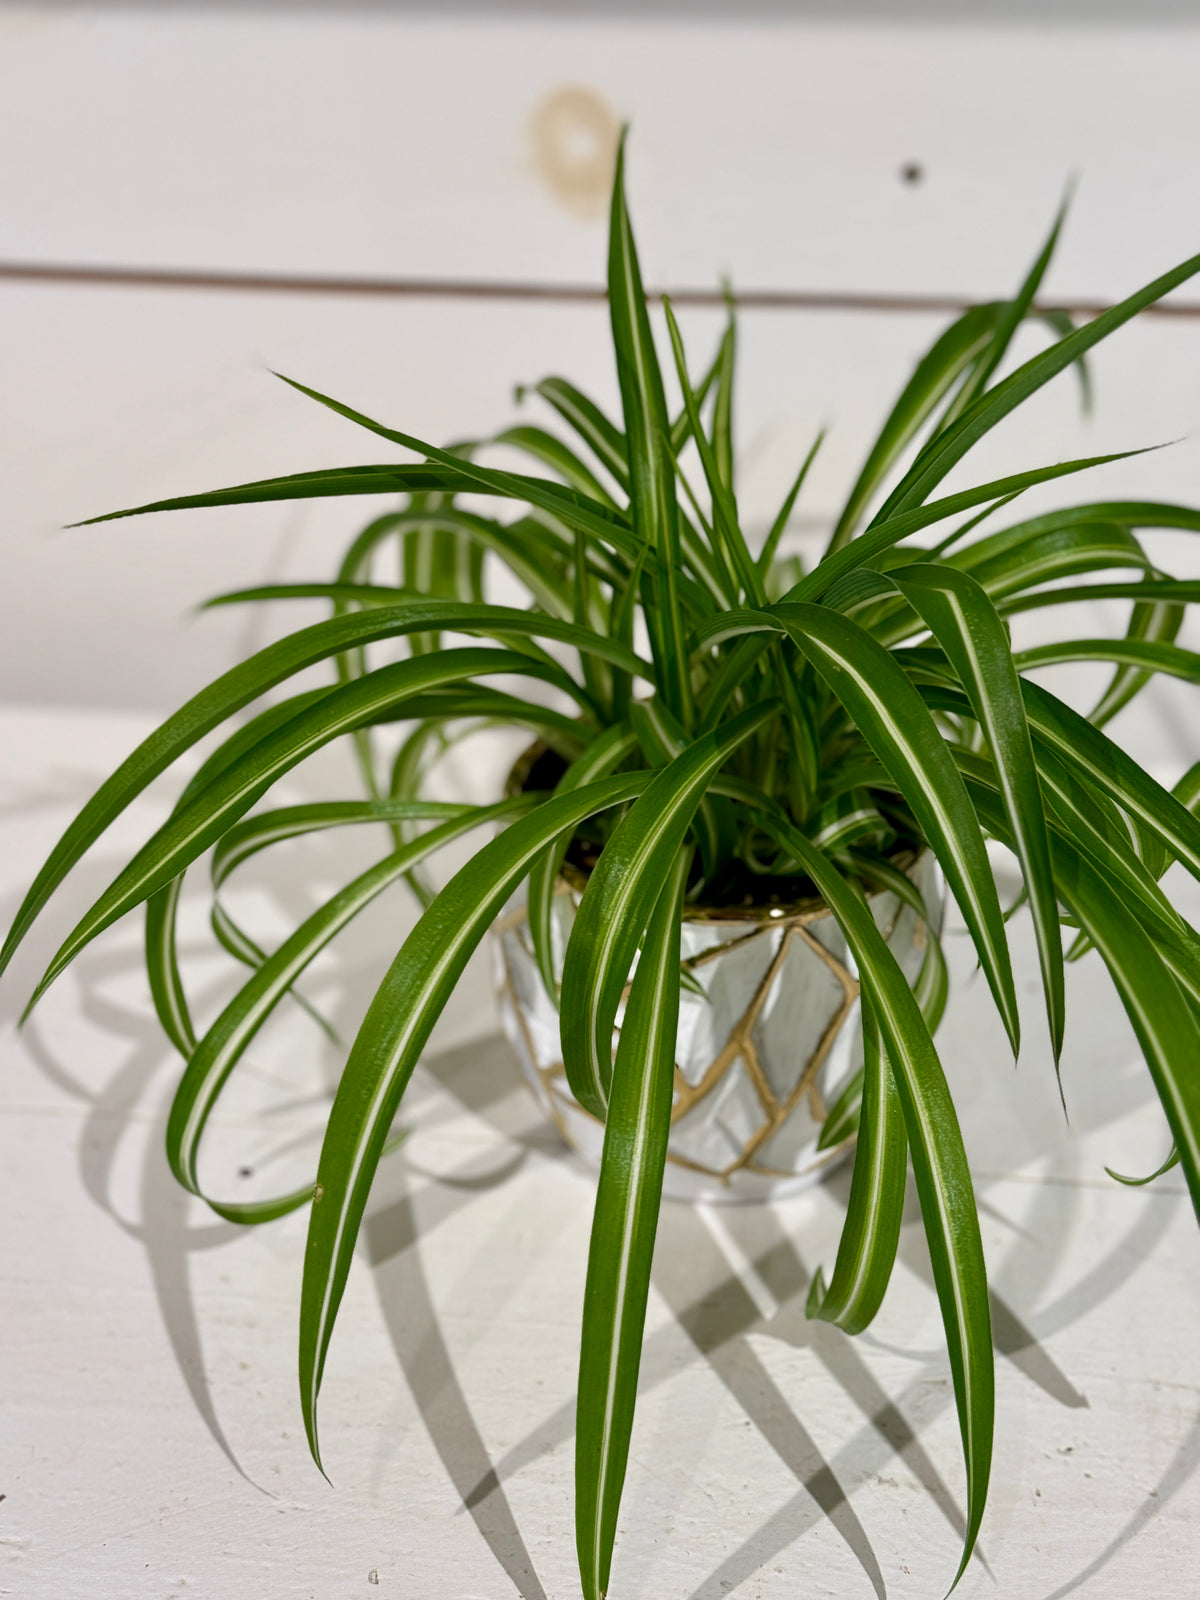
<point x="718" y="1314"/>
<point x="712" y="1305"/>
<point x="166" y="1227"/>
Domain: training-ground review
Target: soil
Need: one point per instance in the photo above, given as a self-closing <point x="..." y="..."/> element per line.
<point x="737" y="892"/>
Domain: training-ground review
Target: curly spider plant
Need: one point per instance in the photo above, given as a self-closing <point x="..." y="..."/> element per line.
<point x="721" y="718"/>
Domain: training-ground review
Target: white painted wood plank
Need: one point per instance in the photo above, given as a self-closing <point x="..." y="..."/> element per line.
<point x="360" y="141"/>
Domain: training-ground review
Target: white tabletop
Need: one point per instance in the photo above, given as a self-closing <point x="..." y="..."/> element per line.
<point x="151" y="1442"/>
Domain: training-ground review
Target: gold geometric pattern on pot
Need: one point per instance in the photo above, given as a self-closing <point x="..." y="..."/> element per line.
<point x="739" y="1046"/>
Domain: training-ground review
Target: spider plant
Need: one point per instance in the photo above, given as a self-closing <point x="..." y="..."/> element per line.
<point x="719" y="720"/>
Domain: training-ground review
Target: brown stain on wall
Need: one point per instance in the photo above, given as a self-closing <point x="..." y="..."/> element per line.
<point x="574" y="133"/>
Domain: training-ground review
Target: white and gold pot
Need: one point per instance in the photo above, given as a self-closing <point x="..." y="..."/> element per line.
<point x="769" y="1034"/>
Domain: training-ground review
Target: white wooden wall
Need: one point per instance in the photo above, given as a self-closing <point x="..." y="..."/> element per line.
<point x="365" y="143"/>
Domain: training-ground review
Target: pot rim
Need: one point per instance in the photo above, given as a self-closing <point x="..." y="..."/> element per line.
<point x="812" y="908"/>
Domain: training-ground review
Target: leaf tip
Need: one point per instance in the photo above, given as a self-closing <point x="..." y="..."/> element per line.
<point x="1012" y="1027"/>
<point x="310" y="1425"/>
<point x="29" y="1005"/>
<point x="1062" y="1094"/>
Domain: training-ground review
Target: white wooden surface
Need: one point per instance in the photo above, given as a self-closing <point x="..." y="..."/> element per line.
<point x="366" y="142"/>
<point x="150" y="1442"/>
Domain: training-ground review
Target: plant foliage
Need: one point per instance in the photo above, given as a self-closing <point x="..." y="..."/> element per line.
<point x="721" y="720"/>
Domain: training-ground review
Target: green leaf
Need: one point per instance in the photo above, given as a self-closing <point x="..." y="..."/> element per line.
<point x="896" y="724"/>
<point x="647" y="431"/>
<point x="1138" y="1183"/>
<point x="931" y="992"/>
<point x="722" y="430"/>
<point x="244" y="839"/>
<point x="681" y="428"/>
<point x="453" y="616"/>
<point x="848" y="819"/>
<point x="564" y="734"/>
<point x="162" y="968"/>
<point x="766" y="555"/>
<point x="871" y="1231"/>
<point x="247" y="838"/>
<point x="842" y="1119"/>
<point x="956" y="535"/>
<point x="589" y="611"/>
<point x="939" y="1166"/>
<point x="194" y="826"/>
<point x="1006" y="566"/>
<point x="949" y="447"/>
<point x="575" y="508"/>
<point x="618" y="899"/>
<point x="623" y="1229"/>
<point x="1184" y="590"/>
<point x="533" y="552"/>
<point x="219" y="1051"/>
<point x="1114" y="773"/>
<point x="1151" y="619"/>
<point x="1187" y="792"/>
<point x="1127" y="514"/>
<point x="857" y="771"/>
<point x="592" y="646"/>
<point x="389" y="1044"/>
<point x="235" y="745"/>
<point x="1165" y="1024"/>
<point x="662" y="739"/>
<point x="381" y="478"/>
<point x="560" y="458"/>
<point x="1061" y="323"/>
<point x="252" y="1213"/>
<point x="235" y="689"/>
<point x="1177" y="943"/>
<point x="884" y="532"/>
<point x="1091" y="823"/>
<point x="734" y="553"/>
<point x="602" y="436"/>
<point x="398" y="478"/>
<point x="935" y="376"/>
<point x="600" y="758"/>
<point x="879" y="537"/>
<point x="964" y="622"/>
<point x="1144" y="656"/>
<point x="237" y="943"/>
<point x="1010" y="317"/>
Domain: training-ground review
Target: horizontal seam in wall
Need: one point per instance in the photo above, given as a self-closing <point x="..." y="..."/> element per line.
<point x="765" y="299"/>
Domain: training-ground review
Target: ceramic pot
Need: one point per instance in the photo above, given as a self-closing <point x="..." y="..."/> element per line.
<point x="769" y="1034"/>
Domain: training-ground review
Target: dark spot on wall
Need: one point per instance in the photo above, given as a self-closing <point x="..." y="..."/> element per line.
<point x="574" y="133"/>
